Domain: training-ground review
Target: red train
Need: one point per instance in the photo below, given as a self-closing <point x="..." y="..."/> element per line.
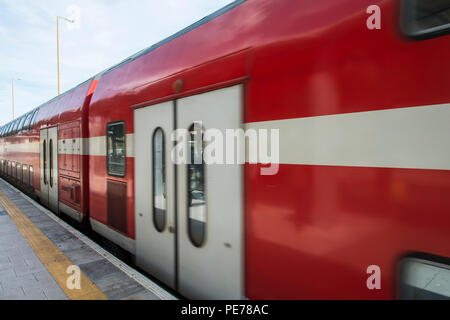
<point x="363" y="179"/>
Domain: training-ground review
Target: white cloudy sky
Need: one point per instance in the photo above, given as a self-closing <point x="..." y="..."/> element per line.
<point x="107" y="31"/>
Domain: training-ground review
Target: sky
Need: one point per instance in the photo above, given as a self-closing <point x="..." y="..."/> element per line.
<point x="105" y="32"/>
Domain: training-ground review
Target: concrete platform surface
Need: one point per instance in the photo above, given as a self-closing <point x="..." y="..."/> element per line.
<point x="43" y="258"/>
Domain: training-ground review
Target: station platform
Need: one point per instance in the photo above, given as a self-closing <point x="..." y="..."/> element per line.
<point x="43" y="258"/>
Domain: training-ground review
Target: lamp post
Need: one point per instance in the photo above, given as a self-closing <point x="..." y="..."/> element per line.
<point x="12" y="86"/>
<point x="57" y="41"/>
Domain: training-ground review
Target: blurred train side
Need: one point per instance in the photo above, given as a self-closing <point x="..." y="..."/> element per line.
<point x="311" y="231"/>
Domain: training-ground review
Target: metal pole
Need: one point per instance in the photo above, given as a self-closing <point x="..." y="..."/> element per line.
<point x="57" y="41"/>
<point x="12" y="81"/>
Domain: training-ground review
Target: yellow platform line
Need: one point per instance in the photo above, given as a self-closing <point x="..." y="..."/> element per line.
<point x="51" y="257"/>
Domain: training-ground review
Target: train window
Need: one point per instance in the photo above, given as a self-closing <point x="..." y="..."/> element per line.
<point x="26" y="124"/>
<point x="33" y="119"/>
<point x="422" y="279"/>
<point x="22" y="121"/>
<point x="7" y="129"/>
<point x="9" y="169"/>
<point x="10" y="129"/>
<point x="16" y="125"/>
<point x="44" y="154"/>
<point x="50" y="151"/>
<point x="196" y="187"/>
<point x="19" y="172"/>
<point x="31" y="176"/>
<point x="13" y="169"/>
<point x="159" y="181"/>
<point x="116" y="149"/>
<point x="25" y="174"/>
<point x="424" y="19"/>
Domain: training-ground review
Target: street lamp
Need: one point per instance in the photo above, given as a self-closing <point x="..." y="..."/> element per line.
<point x="57" y="40"/>
<point x="12" y="86"/>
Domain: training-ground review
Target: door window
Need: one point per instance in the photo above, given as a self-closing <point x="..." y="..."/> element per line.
<point x="44" y="154"/>
<point x="116" y="148"/>
<point x="51" y="162"/>
<point x="159" y="181"/>
<point x="196" y="187"/>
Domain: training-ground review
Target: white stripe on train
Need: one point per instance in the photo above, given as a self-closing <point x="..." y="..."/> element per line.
<point x="416" y="137"/>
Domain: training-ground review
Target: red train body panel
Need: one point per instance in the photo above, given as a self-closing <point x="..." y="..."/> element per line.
<point x="311" y="231"/>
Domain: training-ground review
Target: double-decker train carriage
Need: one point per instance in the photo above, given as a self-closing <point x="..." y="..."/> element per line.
<point x="363" y="177"/>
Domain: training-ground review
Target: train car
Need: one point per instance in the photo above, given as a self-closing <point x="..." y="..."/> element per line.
<point x="43" y="152"/>
<point x="358" y="205"/>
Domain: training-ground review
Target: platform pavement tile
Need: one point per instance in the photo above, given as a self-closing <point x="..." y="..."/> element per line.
<point x="4" y="259"/>
<point x="42" y="218"/>
<point x="99" y="269"/>
<point x="34" y="263"/>
<point x="34" y="293"/>
<point x="57" y="236"/>
<point x="5" y="266"/>
<point x="26" y="251"/>
<point x="55" y="294"/>
<point x="17" y="258"/>
<point x="7" y="275"/>
<point x="6" y="225"/>
<point x="43" y="276"/>
<point x="12" y="294"/>
<point x="143" y="295"/>
<point x="69" y="244"/>
<point x="49" y="284"/>
<point x="22" y="270"/>
<point x="118" y="286"/>
<point x="44" y="225"/>
<point x="26" y="280"/>
<point x="13" y="247"/>
<point x="82" y="255"/>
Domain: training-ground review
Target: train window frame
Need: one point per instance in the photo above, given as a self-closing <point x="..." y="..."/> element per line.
<point x="21" y="123"/>
<point x="26" y="124"/>
<point x="13" y="170"/>
<point x="31" y="176"/>
<point x="44" y="161"/>
<point x="163" y="226"/>
<point x="33" y="119"/>
<point x="5" y="134"/>
<point x="50" y="165"/>
<point x="16" y="125"/>
<point x="108" y="125"/>
<point x="19" y="171"/>
<point x="410" y="26"/>
<point x="11" y="128"/>
<point x="195" y="242"/>
<point x="25" y="174"/>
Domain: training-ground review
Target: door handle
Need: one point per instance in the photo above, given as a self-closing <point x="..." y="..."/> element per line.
<point x="171" y="229"/>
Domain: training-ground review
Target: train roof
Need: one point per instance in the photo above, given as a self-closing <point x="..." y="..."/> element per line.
<point x="180" y="33"/>
<point x="147" y="50"/>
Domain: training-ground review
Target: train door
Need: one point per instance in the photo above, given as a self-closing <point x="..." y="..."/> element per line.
<point x="155" y="192"/>
<point x="189" y="217"/>
<point x="49" y="168"/>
